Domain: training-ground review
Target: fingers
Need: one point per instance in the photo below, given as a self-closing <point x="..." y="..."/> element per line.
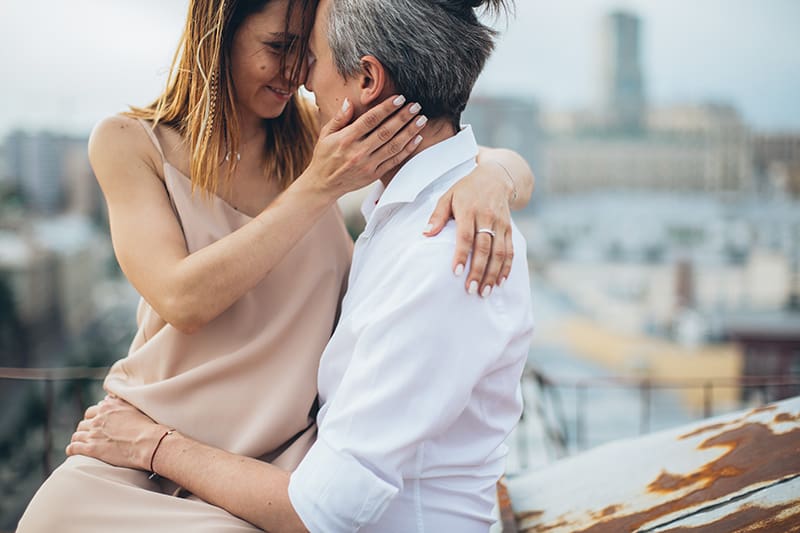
<point x="78" y="448"/>
<point x="506" y="270"/>
<point x="495" y="265"/>
<point x="440" y="216"/>
<point x="465" y="238"/>
<point x="369" y="122"/>
<point x="341" y="119"/>
<point x="406" y="121"/>
<point x="91" y="412"/>
<point x="80" y="436"/>
<point x="399" y="148"/>
<point x="78" y="444"/>
<point x="481" y="250"/>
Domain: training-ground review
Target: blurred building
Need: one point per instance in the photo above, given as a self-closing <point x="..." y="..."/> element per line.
<point x="506" y="122"/>
<point x="703" y="148"/>
<point x="668" y="264"/>
<point x="5" y="178"/>
<point x="29" y="274"/>
<point x="80" y="255"/>
<point x="52" y="173"/>
<point x="627" y="145"/>
<point x="776" y="158"/>
<point x="624" y="101"/>
<point x="51" y="266"/>
<point x="726" y="165"/>
<point x="771" y="346"/>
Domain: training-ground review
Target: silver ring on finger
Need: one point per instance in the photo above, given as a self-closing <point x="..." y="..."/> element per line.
<point x="489" y="231"/>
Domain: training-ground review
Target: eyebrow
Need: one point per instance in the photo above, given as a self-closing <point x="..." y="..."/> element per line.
<point x="283" y="35"/>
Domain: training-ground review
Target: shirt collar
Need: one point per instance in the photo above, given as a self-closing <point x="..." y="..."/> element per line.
<point x="422" y="170"/>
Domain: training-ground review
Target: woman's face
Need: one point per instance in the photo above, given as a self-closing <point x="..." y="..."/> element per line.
<point x="262" y="88"/>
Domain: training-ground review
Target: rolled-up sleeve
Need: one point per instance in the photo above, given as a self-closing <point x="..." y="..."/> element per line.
<point x="420" y="344"/>
<point x="332" y="491"/>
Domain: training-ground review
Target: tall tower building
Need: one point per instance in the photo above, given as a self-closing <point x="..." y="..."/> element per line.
<point x="623" y="92"/>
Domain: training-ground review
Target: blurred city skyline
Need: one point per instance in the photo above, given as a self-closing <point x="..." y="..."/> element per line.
<point x="111" y="54"/>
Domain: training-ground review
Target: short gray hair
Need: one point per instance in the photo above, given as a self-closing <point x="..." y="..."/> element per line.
<point x="434" y="50"/>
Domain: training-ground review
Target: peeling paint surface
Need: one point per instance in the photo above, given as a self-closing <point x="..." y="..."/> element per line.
<point x="739" y="472"/>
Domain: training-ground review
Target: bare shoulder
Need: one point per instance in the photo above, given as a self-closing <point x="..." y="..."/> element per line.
<point x="120" y="141"/>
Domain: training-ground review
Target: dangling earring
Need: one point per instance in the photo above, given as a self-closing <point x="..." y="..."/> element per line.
<point x="213" y="93"/>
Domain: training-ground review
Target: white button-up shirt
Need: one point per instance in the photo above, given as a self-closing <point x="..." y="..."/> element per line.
<point x="419" y="385"/>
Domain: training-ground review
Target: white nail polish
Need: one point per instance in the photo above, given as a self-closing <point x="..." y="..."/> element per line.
<point x="421" y="121"/>
<point x="400" y="100"/>
<point x="346" y="105"/>
<point x="428" y="228"/>
<point x="487" y="290"/>
<point x="500" y="283"/>
<point x="459" y="270"/>
<point x="414" y="109"/>
<point x="473" y="288"/>
<point x="418" y="139"/>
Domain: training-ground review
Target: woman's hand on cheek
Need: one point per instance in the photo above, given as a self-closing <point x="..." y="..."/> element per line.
<point x="479" y="201"/>
<point x="349" y="157"/>
<point x="117" y="433"/>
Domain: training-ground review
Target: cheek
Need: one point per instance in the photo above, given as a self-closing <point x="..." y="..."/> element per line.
<point x="258" y="69"/>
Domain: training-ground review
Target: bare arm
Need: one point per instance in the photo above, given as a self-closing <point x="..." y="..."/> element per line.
<point x="189" y="290"/>
<point x="518" y="170"/>
<point x="116" y="432"/>
<point x="253" y="490"/>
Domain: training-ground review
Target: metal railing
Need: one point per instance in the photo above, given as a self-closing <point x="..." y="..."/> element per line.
<point x="48" y="377"/>
<point x="560" y="431"/>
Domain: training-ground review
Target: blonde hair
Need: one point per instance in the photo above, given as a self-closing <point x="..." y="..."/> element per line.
<point x="199" y="100"/>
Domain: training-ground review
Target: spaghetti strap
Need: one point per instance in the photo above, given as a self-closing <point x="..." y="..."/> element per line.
<point x="152" y="134"/>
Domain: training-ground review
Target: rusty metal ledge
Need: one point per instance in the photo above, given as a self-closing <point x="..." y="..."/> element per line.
<point x="742" y="468"/>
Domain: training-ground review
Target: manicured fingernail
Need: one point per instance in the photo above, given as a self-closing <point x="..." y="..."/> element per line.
<point x="500" y="283"/>
<point x="400" y="100"/>
<point x="473" y="288"/>
<point x="459" y="270"/>
<point x="421" y="121"/>
<point x="428" y="228"/>
<point x="346" y="105"/>
<point x="418" y="139"/>
<point x="487" y="290"/>
<point x="414" y="109"/>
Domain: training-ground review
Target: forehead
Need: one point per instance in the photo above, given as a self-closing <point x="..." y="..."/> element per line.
<point x="272" y="18"/>
<point x="318" y="40"/>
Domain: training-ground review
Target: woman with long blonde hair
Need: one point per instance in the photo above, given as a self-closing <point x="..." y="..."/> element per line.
<point x="222" y="205"/>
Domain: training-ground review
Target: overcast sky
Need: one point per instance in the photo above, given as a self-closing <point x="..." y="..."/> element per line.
<point x="65" y="65"/>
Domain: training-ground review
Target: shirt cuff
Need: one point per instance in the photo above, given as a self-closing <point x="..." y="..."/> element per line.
<point x="332" y="492"/>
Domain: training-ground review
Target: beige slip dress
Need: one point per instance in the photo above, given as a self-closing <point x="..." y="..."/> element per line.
<point x="246" y="382"/>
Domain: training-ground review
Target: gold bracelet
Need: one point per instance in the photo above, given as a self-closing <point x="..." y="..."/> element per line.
<point x="513" y="184"/>
<point x="153" y="474"/>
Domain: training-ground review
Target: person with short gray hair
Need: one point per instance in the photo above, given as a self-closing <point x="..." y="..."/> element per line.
<point x="419" y="386"/>
<point x="433" y="50"/>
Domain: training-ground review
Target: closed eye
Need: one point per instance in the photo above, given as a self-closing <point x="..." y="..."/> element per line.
<point x="278" y="46"/>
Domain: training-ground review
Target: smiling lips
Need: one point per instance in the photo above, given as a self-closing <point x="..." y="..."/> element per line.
<point x="283" y="94"/>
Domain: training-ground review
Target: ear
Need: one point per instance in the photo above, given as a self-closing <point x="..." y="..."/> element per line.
<point x="374" y="82"/>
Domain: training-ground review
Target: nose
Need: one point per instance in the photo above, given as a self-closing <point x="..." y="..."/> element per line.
<point x="308" y="74"/>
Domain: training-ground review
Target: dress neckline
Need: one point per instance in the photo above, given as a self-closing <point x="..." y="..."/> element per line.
<point x="218" y="198"/>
